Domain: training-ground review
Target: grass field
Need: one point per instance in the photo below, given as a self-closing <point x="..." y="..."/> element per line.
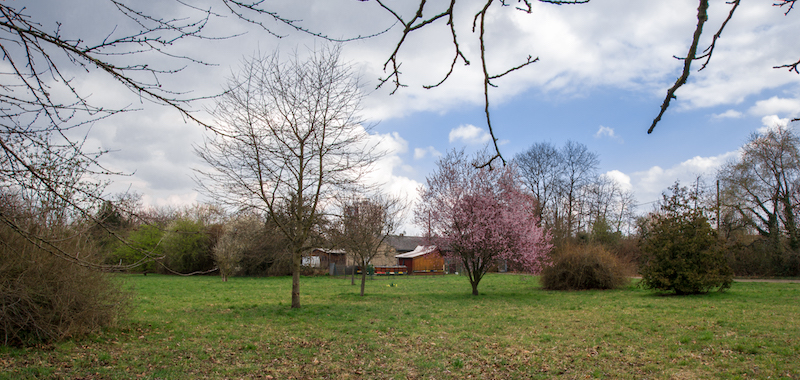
<point x="428" y="328"/>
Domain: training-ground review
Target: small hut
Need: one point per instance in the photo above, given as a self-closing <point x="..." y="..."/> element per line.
<point x="326" y="257"/>
<point x="425" y="259"/>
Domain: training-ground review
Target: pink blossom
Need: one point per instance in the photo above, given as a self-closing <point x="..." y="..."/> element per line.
<point x="482" y="216"/>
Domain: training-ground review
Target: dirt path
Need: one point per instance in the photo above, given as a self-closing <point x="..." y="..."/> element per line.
<point x="795" y="281"/>
<point x="774" y="280"/>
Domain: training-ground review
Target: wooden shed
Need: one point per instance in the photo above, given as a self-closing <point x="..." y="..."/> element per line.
<point x="425" y="259"/>
<point x="328" y="256"/>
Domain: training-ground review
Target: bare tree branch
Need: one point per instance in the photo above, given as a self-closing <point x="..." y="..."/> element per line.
<point x="788" y="3"/>
<point x="418" y="21"/>
<point x="239" y="8"/>
<point x="702" y="17"/>
<point x="790" y="66"/>
<point x="41" y="109"/>
<point x="710" y="49"/>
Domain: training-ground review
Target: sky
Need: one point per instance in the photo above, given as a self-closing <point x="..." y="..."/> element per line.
<point x="603" y="71"/>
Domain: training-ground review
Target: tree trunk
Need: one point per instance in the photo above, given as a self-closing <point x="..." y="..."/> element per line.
<point x="790" y="223"/>
<point x="296" y="257"/>
<point x="363" y="281"/>
<point x="473" y="271"/>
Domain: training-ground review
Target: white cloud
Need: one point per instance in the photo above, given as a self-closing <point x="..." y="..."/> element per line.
<point x="470" y="134"/>
<point x="622" y="179"/>
<point x="169" y="200"/>
<point x="772" y="122"/>
<point x="606" y="132"/>
<point x="649" y="184"/>
<point x="420" y="153"/>
<point x="389" y="172"/>
<point x="392" y="143"/>
<point x="775" y="106"/>
<point x="729" y="114"/>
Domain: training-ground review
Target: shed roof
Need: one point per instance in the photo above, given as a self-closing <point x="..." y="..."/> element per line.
<point x="330" y="251"/>
<point x="419" y="251"/>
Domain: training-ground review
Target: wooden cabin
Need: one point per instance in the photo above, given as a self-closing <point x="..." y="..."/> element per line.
<point x="326" y="257"/>
<point x="424" y="260"/>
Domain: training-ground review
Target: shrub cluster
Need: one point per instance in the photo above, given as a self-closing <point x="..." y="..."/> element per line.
<point x="758" y="257"/>
<point x="45" y="298"/>
<point x="581" y="267"/>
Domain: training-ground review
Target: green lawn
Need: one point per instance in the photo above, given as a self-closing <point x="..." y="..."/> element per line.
<point x="428" y="328"/>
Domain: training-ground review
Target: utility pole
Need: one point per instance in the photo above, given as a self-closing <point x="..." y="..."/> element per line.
<point x="718" y="219"/>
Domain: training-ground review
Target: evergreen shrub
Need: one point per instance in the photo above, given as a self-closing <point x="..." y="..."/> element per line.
<point x="684" y="256"/>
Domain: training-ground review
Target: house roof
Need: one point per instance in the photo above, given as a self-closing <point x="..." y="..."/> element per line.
<point x="419" y="251"/>
<point x="404" y="244"/>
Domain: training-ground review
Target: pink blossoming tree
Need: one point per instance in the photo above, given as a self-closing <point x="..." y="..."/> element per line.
<point x="481" y="216"/>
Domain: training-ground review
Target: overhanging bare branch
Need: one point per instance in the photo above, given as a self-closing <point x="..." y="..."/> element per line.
<point x="702" y="17"/>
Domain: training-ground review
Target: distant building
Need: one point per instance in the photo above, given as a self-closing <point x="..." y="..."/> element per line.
<point x="403" y="244"/>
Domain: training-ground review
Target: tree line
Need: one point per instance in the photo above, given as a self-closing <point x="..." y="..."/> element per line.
<point x="573" y="198"/>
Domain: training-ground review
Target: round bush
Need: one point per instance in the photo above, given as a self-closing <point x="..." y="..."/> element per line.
<point x="584" y="267"/>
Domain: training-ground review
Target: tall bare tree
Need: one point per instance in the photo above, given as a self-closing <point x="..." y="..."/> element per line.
<point x="570" y="193"/>
<point x="607" y="201"/>
<point x="363" y="226"/>
<point x="580" y="169"/>
<point x="764" y="184"/>
<point x="289" y="138"/>
<point x="541" y="170"/>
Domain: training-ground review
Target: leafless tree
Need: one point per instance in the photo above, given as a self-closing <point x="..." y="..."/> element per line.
<point x="764" y="185"/>
<point x="363" y="226"/>
<point x="289" y="138"/>
<point x="541" y="170"/>
<point x="580" y="169"/>
<point x="561" y="180"/>
<point x="571" y="194"/>
<point x="605" y="200"/>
